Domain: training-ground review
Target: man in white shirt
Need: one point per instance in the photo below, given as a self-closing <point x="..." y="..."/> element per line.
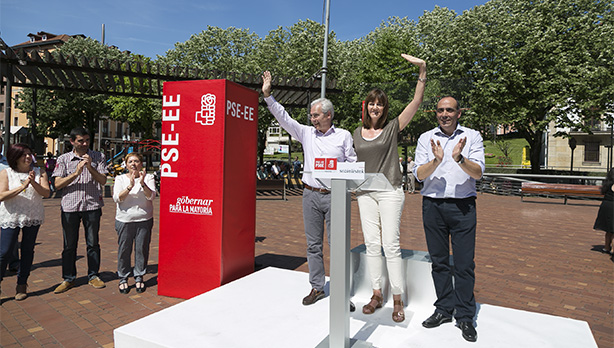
<point x="449" y="159"/>
<point x="321" y="140"/>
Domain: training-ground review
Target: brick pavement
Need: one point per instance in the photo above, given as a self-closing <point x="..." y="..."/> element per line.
<point x="538" y="256"/>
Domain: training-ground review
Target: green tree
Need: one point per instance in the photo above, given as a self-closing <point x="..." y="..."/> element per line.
<point x="375" y="61"/>
<point x="60" y="111"/>
<point x="527" y="63"/>
<point x="141" y="113"/>
<point x="289" y="53"/>
<point x="230" y="50"/>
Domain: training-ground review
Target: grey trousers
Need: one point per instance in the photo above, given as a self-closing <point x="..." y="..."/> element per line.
<point x="129" y="234"/>
<point x="316" y="212"/>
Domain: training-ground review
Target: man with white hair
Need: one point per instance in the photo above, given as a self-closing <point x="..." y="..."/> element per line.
<point x="321" y="140"/>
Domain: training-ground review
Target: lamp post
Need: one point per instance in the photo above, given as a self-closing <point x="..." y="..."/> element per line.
<point x="325" y="56"/>
<point x="572" y="145"/>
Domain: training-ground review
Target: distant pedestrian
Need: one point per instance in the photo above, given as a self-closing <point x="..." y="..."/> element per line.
<point x="49" y="168"/>
<point x="605" y="221"/>
<point x="410" y="175"/>
<point x="275" y="171"/>
<point x="260" y="173"/>
<point x="296" y="168"/>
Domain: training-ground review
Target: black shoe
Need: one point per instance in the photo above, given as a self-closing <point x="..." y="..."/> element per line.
<point x="124" y="288"/>
<point x="435" y="320"/>
<point x="352" y="307"/>
<point x="468" y="331"/>
<point x="313" y="297"/>
<point x="140" y="287"/>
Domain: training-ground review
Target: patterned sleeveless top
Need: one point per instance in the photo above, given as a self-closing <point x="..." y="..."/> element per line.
<point x="25" y="209"/>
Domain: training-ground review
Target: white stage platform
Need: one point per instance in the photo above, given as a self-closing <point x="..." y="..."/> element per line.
<point x="264" y="310"/>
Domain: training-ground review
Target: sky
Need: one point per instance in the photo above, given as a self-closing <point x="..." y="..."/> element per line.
<point x="152" y="27"/>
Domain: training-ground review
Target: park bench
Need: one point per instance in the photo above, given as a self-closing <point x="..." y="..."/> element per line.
<point x="565" y="190"/>
<point x="271" y="186"/>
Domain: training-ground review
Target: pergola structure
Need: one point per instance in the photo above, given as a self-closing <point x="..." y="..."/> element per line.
<point x="52" y="70"/>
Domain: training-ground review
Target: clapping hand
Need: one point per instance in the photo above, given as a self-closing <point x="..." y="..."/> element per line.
<point x="28" y="181"/>
<point x="458" y="149"/>
<point x="132" y="176"/>
<point x="142" y="177"/>
<point x="437" y="150"/>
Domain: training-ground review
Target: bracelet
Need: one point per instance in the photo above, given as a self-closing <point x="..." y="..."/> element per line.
<point x="422" y="79"/>
<point x="129" y="188"/>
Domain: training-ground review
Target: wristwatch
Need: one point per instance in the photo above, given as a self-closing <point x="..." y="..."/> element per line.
<point x="461" y="160"/>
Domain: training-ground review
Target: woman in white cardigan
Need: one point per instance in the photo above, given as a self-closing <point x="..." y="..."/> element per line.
<point x="133" y="192"/>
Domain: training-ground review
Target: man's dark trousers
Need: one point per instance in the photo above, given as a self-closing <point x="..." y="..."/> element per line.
<point x="454" y="219"/>
<point x="70" y="227"/>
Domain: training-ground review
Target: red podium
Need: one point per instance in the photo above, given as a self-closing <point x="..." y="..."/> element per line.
<point x="208" y="186"/>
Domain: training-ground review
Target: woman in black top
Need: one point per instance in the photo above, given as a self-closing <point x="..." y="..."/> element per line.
<point x="605" y="221"/>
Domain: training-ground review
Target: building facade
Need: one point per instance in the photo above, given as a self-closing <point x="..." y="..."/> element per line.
<point x="592" y="153"/>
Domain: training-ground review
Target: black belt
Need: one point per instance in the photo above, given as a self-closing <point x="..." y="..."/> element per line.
<point x="321" y="190"/>
<point x="466" y="199"/>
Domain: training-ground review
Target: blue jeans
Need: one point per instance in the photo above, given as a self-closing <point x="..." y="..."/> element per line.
<point x="70" y="227"/>
<point x="8" y="239"/>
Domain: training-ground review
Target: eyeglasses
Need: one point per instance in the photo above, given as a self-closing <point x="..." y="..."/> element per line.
<point x="449" y="110"/>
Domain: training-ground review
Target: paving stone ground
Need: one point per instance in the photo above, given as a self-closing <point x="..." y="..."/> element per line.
<point x="539" y="255"/>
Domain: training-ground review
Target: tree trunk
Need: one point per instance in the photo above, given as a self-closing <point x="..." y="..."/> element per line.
<point x="261" y="145"/>
<point x="536" y="150"/>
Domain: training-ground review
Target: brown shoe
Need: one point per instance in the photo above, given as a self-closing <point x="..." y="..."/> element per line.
<point x="21" y="292"/>
<point x="313" y="297"/>
<point x="97" y="283"/>
<point x="399" y="316"/>
<point x="369" y="309"/>
<point x="63" y="287"/>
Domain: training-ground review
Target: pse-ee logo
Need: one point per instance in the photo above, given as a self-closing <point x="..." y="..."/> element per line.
<point x="325" y="164"/>
<point x="206" y="115"/>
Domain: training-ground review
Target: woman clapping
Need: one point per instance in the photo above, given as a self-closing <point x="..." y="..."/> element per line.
<point x="133" y="192"/>
<point x="22" y="188"/>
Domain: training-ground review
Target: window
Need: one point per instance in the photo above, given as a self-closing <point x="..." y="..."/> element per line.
<point x="594" y="124"/>
<point x="105" y="128"/>
<point x="591" y="151"/>
<point x="274" y="131"/>
<point x="15" y="121"/>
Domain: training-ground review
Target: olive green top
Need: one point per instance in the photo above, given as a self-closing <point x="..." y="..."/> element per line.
<point x="381" y="154"/>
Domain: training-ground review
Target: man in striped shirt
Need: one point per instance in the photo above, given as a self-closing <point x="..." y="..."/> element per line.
<point x="81" y="174"/>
